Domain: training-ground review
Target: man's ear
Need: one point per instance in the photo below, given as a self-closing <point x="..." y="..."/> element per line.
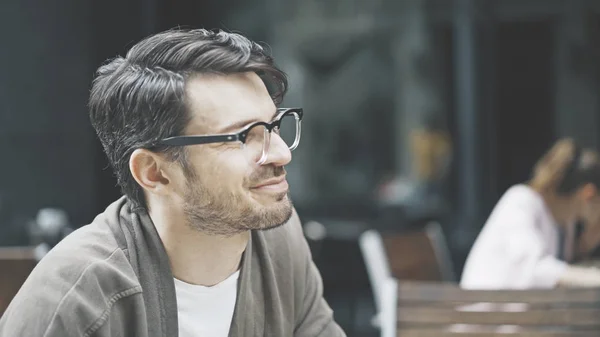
<point x="147" y="168"/>
<point x="588" y="192"/>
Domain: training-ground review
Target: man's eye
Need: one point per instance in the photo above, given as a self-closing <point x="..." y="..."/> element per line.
<point x="250" y="136"/>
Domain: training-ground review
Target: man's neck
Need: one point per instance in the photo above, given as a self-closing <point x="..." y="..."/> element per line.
<point x="197" y="258"/>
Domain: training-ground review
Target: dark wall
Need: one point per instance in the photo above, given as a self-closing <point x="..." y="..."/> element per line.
<point x="524" y="123"/>
<point x="45" y="137"/>
<point x="50" y="50"/>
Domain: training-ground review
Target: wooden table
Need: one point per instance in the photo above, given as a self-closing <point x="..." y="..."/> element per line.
<point x="16" y="263"/>
<point x="434" y="309"/>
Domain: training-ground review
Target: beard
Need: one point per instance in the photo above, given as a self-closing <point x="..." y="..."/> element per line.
<point x="214" y="211"/>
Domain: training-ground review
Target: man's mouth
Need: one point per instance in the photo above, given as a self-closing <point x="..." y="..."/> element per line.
<point x="277" y="184"/>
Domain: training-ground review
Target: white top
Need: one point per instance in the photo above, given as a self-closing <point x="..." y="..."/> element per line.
<point x="206" y="311"/>
<point x="517" y="247"/>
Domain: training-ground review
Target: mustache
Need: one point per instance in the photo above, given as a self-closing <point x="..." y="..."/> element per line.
<point x="267" y="173"/>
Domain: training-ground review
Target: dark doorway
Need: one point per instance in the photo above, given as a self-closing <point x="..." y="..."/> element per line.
<point x="525" y="82"/>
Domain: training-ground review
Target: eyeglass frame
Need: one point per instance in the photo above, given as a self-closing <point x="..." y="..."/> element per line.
<point x="237" y="136"/>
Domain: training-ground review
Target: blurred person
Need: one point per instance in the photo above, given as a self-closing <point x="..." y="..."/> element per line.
<point x="519" y="245"/>
<point x="422" y="193"/>
<point x="205" y="240"/>
<point x="431" y="146"/>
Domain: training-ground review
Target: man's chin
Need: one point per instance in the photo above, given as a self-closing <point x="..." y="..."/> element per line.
<point x="282" y="196"/>
<point x="277" y="217"/>
<point x="268" y="200"/>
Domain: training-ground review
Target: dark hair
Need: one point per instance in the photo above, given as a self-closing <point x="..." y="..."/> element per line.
<point x="138" y="100"/>
<point x="566" y="167"/>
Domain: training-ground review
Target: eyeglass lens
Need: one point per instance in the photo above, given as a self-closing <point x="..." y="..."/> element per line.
<point x="259" y="138"/>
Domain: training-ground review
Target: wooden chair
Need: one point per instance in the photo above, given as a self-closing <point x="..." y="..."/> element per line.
<point x="421" y="255"/>
<point x="442" y="309"/>
<point x="414" y="255"/>
<point x="15" y="265"/>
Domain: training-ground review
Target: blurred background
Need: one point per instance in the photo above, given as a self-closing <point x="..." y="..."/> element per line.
<point x="415" y="110"/>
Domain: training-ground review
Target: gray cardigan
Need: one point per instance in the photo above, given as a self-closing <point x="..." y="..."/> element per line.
<point x="113" y="278"/>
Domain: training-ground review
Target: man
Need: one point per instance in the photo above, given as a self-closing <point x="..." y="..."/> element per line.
<point x="205" y="241"/>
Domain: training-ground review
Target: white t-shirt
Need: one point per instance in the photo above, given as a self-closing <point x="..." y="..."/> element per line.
<point x="206" y="311"/>
<point x="517" y="247"/>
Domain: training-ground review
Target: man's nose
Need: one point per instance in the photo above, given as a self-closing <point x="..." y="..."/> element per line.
<point x="279" y="153"/>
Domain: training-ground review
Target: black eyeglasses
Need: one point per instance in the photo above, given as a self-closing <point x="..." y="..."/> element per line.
<point x="257" y="136"/>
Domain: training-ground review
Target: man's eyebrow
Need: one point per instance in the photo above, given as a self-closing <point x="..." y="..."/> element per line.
<point x="244" y="123"/>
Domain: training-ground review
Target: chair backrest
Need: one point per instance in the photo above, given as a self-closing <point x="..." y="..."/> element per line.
<point x="419" y="255"/>
<point x="439" y="244"/>
<point x="16" y="263"/>
<point x="442" y="309"/>
<point x="376" y="263"/>
<point x="414" y="255"/>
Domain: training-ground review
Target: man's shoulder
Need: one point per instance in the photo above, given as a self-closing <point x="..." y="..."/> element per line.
<point x="94" y="250"/>
<point x="79" y="279"/>
<point x="85" y="250"/>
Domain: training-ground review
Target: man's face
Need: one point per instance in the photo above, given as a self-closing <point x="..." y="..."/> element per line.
<point x="225" y="191"/>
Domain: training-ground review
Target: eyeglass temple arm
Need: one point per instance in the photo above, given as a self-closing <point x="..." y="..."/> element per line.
<point x="194" y="140"/>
